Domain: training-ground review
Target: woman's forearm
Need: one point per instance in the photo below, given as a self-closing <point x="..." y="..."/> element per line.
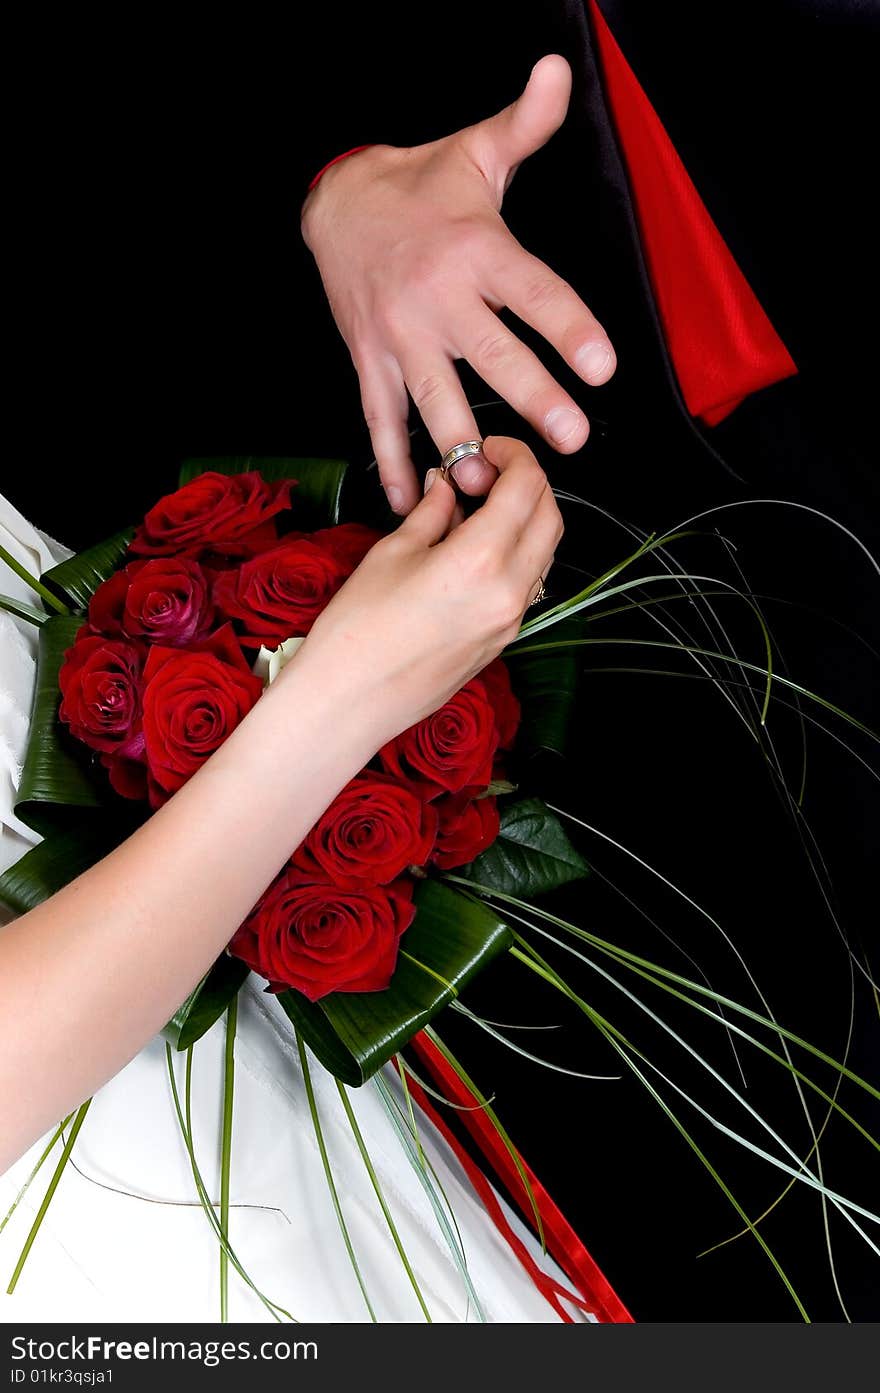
<point x="87" y="978"/>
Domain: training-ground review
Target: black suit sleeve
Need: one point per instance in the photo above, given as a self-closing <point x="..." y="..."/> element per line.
<point x="402" y="74"/>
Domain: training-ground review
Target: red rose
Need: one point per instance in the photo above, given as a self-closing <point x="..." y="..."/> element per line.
<point x="321" y="938"/>
<point x="373" y="830"/>
<point x="279" y="594"/>
<point x="467" y="827"/>
<point x="349" y="542"/>
<point x="164" y="601"/>
<point x="193" y="699"/>
<point x="451" y="750"/>
<point x="232" y="514"/>
<point x="496" y="679"/>
<point x="100" y="681"/>
<point x="107" y="606"/>
<point x="128" y="777"/>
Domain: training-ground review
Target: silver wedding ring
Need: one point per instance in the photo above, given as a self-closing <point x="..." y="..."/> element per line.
<point x="459" y="452"/>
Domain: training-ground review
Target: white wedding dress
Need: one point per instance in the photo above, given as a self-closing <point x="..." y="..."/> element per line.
<point x="125" y="1237"/>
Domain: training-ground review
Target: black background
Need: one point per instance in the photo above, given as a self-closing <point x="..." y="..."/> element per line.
<point x="168" y="309"/>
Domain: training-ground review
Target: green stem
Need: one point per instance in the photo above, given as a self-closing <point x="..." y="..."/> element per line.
<point x="392" y="1227"/>
<point x="226" y="1153"/>
<point x="700" y="652"/>
<point x="623" y="961"/>
<point x="184" y="1121"/>
<point x="486" y="891"/>
<point x="47" y="1199"/>
<point x="433" y="1189"/>
<point x="424" y="1164"/>
<point x="409" y="1107"/>
<point x="36" y="585"/>
<point x="621" y="1045"/>
<point x="328" y="1171"/>
<point x="33" y="1175"/>
<point x="631" y="962"/>
<point x="802" y="1173"/>
<point x="650" y="544"/>
<point x="496" y="1123"/>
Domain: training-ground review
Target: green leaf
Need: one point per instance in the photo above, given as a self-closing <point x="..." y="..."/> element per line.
<point x="451" y="939"/>
<point x="207" y="1002"/>
<point x="59" y="778"/>
<point x="547" y="686"/>
<point x="57" y="861"/>
<point x="317" y="496"/>
<point x="76" y="579"/>
<point x="49" y="1195"/>
<point x="44" y="1156"/>
<point x="531" y="855"/>
<point x="22" y="610"/>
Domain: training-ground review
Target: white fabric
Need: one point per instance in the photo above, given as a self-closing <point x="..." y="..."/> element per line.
<point x="149" y="1254"/>
<point x="18" y="646"/>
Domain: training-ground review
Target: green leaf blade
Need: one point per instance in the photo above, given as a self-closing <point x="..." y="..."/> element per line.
<point x="56" y="781"/>
<point x="207" y="1002"/>
<point x="531" y="856"/>
<point x="354" y="1034"/>
<point x="75" y="580"/>
<point x="20" y="609"/>
<point x="547" y="684"/>
<point x="58" y="860"/>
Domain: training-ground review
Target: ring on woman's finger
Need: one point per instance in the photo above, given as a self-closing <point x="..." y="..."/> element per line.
<point x="459" y="452"/>
<point x="540" y="593"/>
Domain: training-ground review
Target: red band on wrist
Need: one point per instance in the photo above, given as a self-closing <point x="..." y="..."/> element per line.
<point x="330" y="163"/>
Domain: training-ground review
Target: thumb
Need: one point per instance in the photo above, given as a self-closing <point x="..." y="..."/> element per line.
<point x="430" y="519"/>
<point x="523" y="127"/>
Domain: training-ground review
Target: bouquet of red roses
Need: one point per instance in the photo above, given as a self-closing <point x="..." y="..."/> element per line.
<point x="163" y="670"/>
<point x="177" y="626"/>
<point x="432" y="862"/>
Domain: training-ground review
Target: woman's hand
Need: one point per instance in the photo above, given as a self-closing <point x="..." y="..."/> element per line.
<point x="416" y="261"/>
<point x="429" y="607"/>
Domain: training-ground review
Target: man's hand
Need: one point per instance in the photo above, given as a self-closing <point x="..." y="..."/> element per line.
<point x="416" y="261"/>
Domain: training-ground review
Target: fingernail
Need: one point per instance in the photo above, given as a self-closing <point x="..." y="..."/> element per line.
<point x="395" y="497"/>
<point x="592" y="361"/>
<point x="561" y="423"/>
<point x="469" y="472"/>
<point x="429" y="478"/>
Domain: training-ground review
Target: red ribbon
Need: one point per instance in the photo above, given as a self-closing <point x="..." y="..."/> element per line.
<point x="596" y="1293"/>
<point x="722" y="345"/>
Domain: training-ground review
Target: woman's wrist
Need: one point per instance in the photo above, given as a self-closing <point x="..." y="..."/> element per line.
<point x="334" y="700"/>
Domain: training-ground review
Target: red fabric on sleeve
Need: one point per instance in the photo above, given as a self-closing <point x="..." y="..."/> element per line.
<point x="330" y="163"/>
<point x="721" y="342"/>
